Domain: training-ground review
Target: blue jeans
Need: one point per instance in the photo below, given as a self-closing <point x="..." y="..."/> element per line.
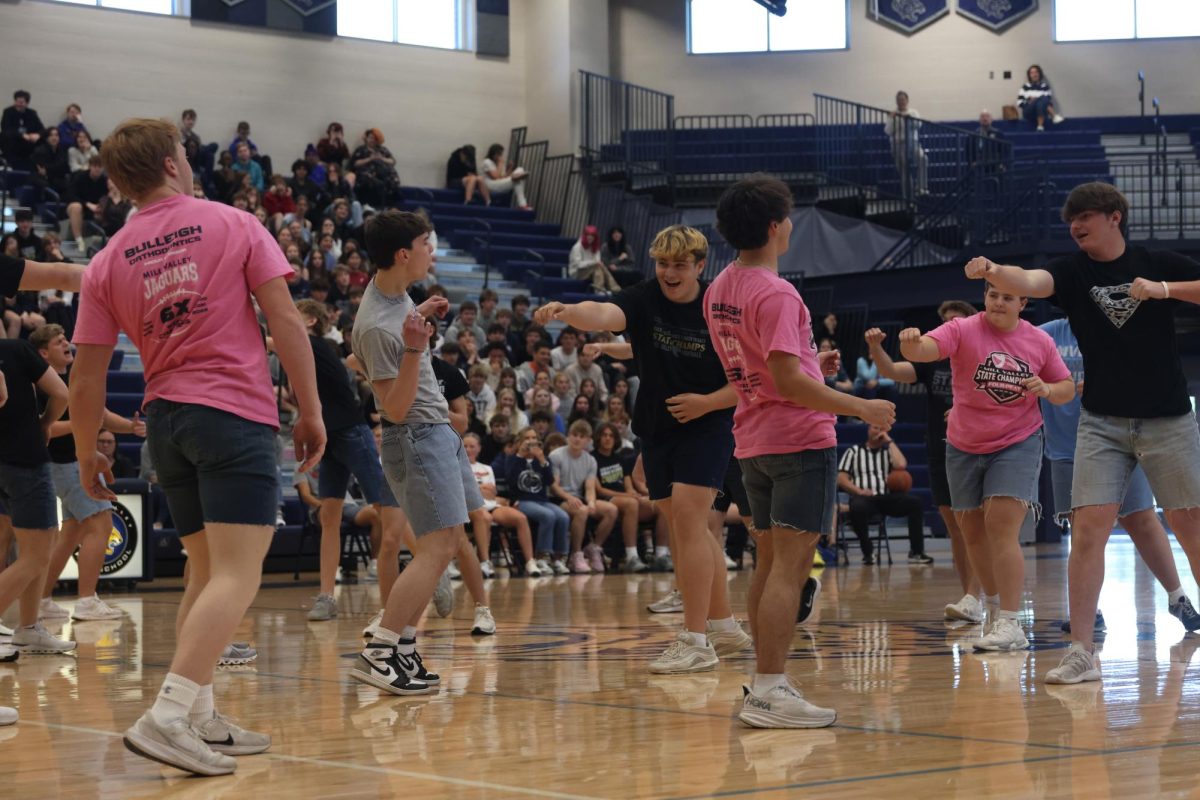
<point x="352" y="452"/>
<point x="1037" y="108"/>
<point x="552" y="525"/>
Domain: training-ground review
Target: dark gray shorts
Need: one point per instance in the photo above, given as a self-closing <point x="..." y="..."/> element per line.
<point x="28" y="495"/>
<point x="792" y="490"/>
<point x="429" y="473"/>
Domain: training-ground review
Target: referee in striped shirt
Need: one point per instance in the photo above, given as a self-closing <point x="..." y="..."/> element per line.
<point x="862" y="473"/>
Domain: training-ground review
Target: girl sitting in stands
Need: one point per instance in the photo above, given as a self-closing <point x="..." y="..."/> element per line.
<point x="585" y="264"/>
<point x="1036" y="99"/>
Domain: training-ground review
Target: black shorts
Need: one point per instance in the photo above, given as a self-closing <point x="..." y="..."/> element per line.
<point x="733" y="491"/>
<point x="214" y="466"/>
<point x="939" y="485"/>
<point x="696" y="458"/>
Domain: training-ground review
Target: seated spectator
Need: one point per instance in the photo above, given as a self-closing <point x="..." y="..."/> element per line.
<point x="542" y="422"/>
<point x="496" y="510"/>
<point x="480" y="395"/>
<point x="318" y="287"/>
<point x="841" y="381"/>
<point x="529" y="476"/>
<point x="520" y="311"/>
<point x="496" y="339"/>
<point x="541" y="381"/>
<point x="244" y="164"/>
<point x="496" y="359"/>
<point x="867" y="382"/>
<point x="332" y="149"/>
<point x="615" y="414"/>
<point x="122" y="467"/>
<point x="28" y="243"/>
<point x="113" y="210"/>
<point x="81" y="152"/>
<point x="584" y="368"/>
<point x="533" y="337"/>
<point x="506" y="404"/>
<point x="191" y="140"/>
<point x="225" y="178"/>
<point x="71" y="126"/>
<point x="316" y="170"/>
<point x="21" y="128"/>
<point x="575" y="485"/>
<point x="451" y="353"/>
<point x="563" y="390"/>
<point x="498" y="437"/>
<point x="378" y="183"/>
<point x="466" y="320"/>
<point x="243" y="138"/>
<point x="278" y="201"/>
<point x="616" y="256"/>
<point x="296" y="282"/>
<point x="567" y="352"/>
<point x="344" y="225"/>
<point x="51" y="169"/>
<point x="541" y="362"/>
<point x="1036" y="99"/>
<point x="339" y="292"/>
<point x="863" y="473"/>
<point x="461" y="172"/>
<point x="614" y="477"/>
<point x="302" y="185"/>
<point x="985" y="147"/>
<point x="826" y="328"/>
<point x="583" y="408"/>
<point x="508" y="380"/>
<point x="338" y="184"/>
<point x="500" y="176"/>
<point x="544" y="401"/>
<point x="300" y="224"/>
<point x="584" y="263"/>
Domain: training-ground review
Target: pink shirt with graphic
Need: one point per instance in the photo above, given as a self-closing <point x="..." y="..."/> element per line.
<point x="991" y="409"/>
<point x="177" y="280"/>
<point x="752" y="312"/>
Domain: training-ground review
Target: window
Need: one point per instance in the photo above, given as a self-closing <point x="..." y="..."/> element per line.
<point x="430" y="23"/>
<point x="1094" y="20"/>
<point x="145" y="6"/>
<point x="744" y="26"/>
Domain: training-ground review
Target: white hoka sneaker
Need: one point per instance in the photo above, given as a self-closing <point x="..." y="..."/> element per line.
<point x="48" y="609"/>
<point x="484" y="625"/>
<point x="969" y="609"/>
<point x="373" y="625"/>
<point x="681" y="656"/>
<point x="671" y="604"/>
<point x="1077" y="666"/>
<point x="1004" y="634"/>
<point x="93" y="608"/>
<point x="783" y="707"/>
<point x="729" y="643"/>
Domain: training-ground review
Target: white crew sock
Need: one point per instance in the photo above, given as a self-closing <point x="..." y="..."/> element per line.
<point x="1176" y="595"/>
<point x="204" y="708"/>
<point x="765" y="683"/>
<point x="175" y="699"/>
<point x="729" y="624"/>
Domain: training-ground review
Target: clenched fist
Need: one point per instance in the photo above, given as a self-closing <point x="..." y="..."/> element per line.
<point x="979" y="268"/>
<point x="874" y="337"/>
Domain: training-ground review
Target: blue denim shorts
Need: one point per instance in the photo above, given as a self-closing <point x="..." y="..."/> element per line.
<point x="430" y="475"/>
<point x="1010" y="472"/>
<point x="792" y="490"/>
<point x="213" y="466"/>
<point x="77" y="504"/>
<point x="28" y="494"/>
<point x="352" y="452"/>
<point x="1108" y="448"/>
<point x="1138" y="496"/>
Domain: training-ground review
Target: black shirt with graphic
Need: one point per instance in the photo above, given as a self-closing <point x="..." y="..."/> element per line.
<point x="674" y="355"/>
<point x="340" y="408"/>
<point x="21" y="440"/>
<point x="936" y="377"/>
<point x="450" y="380"/>
<point x="611" y="470"/>
<point x="1130" y="353"/>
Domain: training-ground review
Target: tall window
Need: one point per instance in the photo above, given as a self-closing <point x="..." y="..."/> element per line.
<point x="430" y="23"/>
<point x="145" y="6"/>
<point x="1094" y="20"/>
<point x="744" y="26"/>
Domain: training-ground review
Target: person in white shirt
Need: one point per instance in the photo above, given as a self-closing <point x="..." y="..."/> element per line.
<point x="495" y="510"/>
<point x="567" y="352"/>
<point x="481" y="395"/>
<point x="584" y="263"/>
<point x="903" y="129"/>
<point x="500" y="176"/>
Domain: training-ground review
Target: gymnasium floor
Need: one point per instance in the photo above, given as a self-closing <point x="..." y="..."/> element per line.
<point x="558" y="704"/>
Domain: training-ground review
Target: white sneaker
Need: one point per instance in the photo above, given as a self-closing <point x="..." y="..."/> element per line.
<point x="487" y="569"/>
<point x="968" y="609"/>
<point x="1004" y="634"/>
<point x="8" y="653"/>
<point x="5" y="630"/>
<point x="635" y="564"/>
<point x="535" y="568"/>
<point x="92" y="608"/>
<point x="338" y="577"/>
<point x="39" y="640"/>
<point x="443" y="596"/>
<point x="1077" y="666"/>
<point x="729" y="562"/>
<point x="681" y="656"/>
<point x="373" y="569"/>
<point x="48" y="609"/>
<point x="237" y="654"/>
<point x="222" y="735"/>
<point x="485" y="625"/>
<point x="1059" y="119"/>
<point x="8" y="716"/>
<point x="560" y="567"/>
<point x="453" y="572"/>
<point x="783" y="707"/>
<point x="671" y="604"/>
<point x="728" y="643"/>
<point x="176" y="744"/>
<point x="373" y="625"/>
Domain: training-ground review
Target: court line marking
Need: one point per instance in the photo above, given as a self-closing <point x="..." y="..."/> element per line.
<point x="323" y="762"/>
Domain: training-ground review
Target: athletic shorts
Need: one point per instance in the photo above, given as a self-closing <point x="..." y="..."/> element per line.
<point x="352" y="452"/>
<point x="430" y="476"/>
<point x="1138" y="496"/>
<point x="77" y="504"/>
<point x="695" y="458"/>
<point x="28" y="494"/>
<point x="1108" y="448"/>
<point x="1010" y="472"/>
<point x="214" y="466"/>
<point x="733" y="491"/>
<point x="792" y="490"/>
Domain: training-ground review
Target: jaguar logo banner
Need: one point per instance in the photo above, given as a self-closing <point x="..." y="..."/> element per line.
<point x="909" y="16"/>
<point x="996" y="14"/>
<point x="301" y="16"/>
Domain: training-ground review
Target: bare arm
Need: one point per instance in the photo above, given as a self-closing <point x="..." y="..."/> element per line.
<point x="900" y="371"/>
<point x="306" y="495"/>
<point x="687" y="407"/>
<point x="39" y="276"/>
<point x="88" y="381"/>
<point x="797" y="387"/>
<point x="458" y="415"/>
<point x="1143" y="289"/>
<point x="622" y="351"/>
<point x="1057" y="393"/>
<point x="589" y="491"/>
<point x="586" y="316"/>
<point x="916" y="347"/>
<point x="898" y="459"/>
<point x="848" y="486"/>
<point x="1013" y="280"/>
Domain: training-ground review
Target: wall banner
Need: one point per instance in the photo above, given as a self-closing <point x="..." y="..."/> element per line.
<point x="908" y="16"/>
<point x="996" y="14"/>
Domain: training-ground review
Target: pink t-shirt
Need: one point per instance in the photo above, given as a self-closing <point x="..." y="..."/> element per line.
<point x="752" y="312"/>
<point x="177" y="280"/>
<point x="991" y="409"/>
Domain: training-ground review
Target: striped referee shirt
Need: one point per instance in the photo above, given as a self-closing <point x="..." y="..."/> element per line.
<point x="867" y="468"/>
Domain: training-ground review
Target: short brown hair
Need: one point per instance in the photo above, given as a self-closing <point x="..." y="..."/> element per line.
<point x="45" y="334"/>
<point x="133" y="154"/>
<point x="316" y="310"/>
<point x="580" y="427"/>
<point x="1096" y="196"/>
<point x="959" y="306"/>
<point x="392" y="230"/>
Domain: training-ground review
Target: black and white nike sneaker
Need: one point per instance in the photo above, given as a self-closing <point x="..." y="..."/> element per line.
<point x="381" y="666"/>
<point x="415" y="667"/>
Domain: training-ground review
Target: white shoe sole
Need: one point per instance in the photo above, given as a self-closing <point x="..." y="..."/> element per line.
<point x="757" y="718"/>
<point x="952" y="611"/>
<point x="165" y="754"/>
<point x="384" y="686"/>
<point x="1090" y="675"/>
<point x="1008" y="647"/>
<point x="655" y="608"/>
<point x="236" y="662"/>
<point x="683" y="669"/>
<point x="729" y="646"/>
<point x="478" y="631"/>
<point x="41" y="650"/>
<point x="96" y="617"/>
<point x="237" y="749"/>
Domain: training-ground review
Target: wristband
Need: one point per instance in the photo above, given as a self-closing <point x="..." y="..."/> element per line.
<point x="408" y="349"/>
<point x="1166" y="290"/>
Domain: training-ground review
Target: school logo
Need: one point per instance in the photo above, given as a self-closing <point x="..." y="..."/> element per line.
<point x="996" y="14"/>
<point x="530" y="481"/>
<point x="1116" y="302"/>
<point x="908" y="15"/>
<point x="122" y="540"/>
<point x="1000" y="376"/>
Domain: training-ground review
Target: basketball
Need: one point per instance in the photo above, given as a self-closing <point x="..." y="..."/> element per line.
<point x="899" y="480"/>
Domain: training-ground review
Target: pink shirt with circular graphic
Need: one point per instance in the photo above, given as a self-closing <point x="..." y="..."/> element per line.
<point x="177" y="279"/>
<point x="991" y="409"/>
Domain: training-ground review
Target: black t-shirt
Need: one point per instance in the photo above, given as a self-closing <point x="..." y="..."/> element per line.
<point x="939" y="396"/>
<point x="1130" y="353"/>
<point x="86" y="189"/>
<point x="11" y="272"/>
<point x="450" y="380"/>
<point x="611" y="470"/>
<point x="21" y="442"/>
<point x="31" y="246"/>
<point x="674" y="355"/>
<point x="61" y="448"/>
<point x="340" y="408"/>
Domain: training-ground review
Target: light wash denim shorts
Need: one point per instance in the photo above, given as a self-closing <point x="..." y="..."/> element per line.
<point x="428" y="471"/>
<point x="1010" y="472"/>
<point x="77" y="504"/>
<point x="1138" y="496"/>
<point x="1108" y="448"/>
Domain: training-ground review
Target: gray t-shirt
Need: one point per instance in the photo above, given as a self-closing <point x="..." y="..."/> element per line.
<point x="572" y="473"/>
<point x="379" y="344"/>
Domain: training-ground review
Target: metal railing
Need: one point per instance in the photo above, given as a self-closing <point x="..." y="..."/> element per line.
<point x="621" y="121"/>
<point x="709" y="121"/>
<point x="798" y="120"/>
<point x="1164" y="199"/>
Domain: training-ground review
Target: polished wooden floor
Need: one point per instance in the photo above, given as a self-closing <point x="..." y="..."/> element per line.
<point x="559" y="704"/>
